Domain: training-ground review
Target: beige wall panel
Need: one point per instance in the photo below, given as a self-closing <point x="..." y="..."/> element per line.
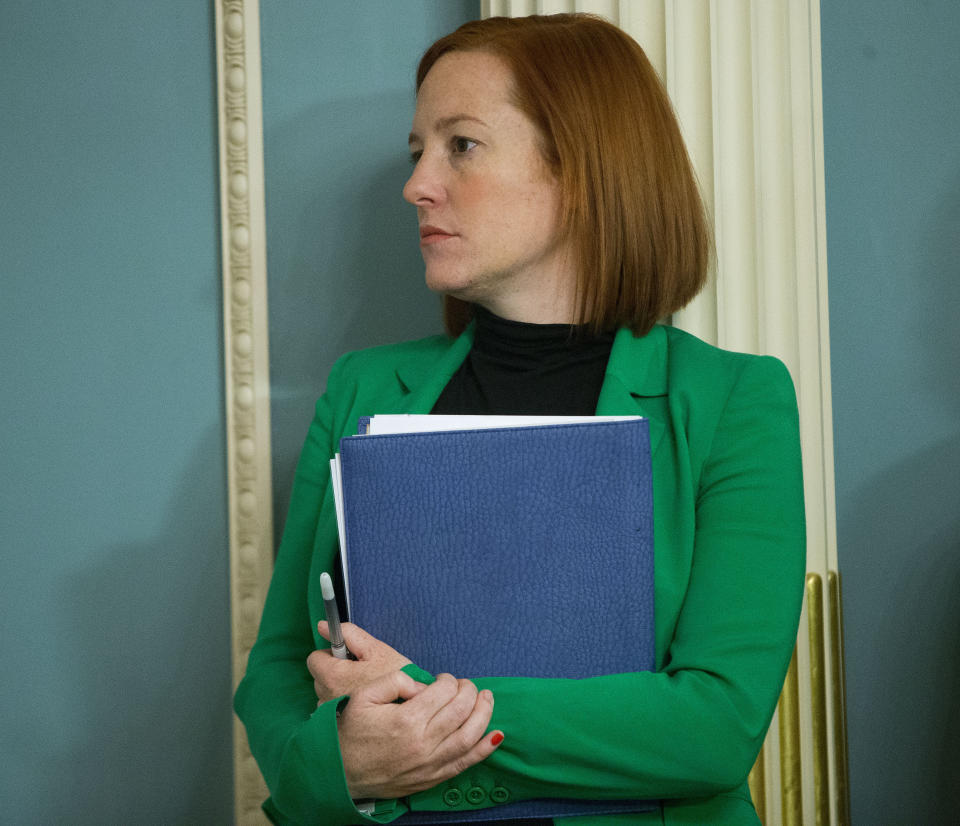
<point x="554" y="6"/>
<point x="744" y="76"/>
<point x="689" y="80"/>
<point x="644" y="20"/>
<point x="610" y="9"/>
<point x="776" y="236"/>
<point x="734" y="177"/>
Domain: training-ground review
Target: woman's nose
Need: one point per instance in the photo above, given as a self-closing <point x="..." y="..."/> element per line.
<point x="423" y="187"/>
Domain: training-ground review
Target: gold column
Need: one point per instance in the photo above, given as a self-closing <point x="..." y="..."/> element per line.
<point x="791" y="781"/>
<point x="758" y="786"/>
<point x="838" y="692"/>
<point x="818" y="700"/>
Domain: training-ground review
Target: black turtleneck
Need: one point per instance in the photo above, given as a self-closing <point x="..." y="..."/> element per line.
<point x="515" y="368"/>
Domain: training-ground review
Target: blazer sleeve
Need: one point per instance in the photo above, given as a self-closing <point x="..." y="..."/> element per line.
<point x="294" y="742"/>
<point x="694" y="727"/>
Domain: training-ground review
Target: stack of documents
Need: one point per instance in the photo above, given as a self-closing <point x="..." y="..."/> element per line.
<point x="493" y="546"/>
<point x="510" y="546"/>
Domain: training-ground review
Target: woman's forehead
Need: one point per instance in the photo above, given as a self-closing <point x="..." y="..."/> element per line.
<point x="463" y="86"/>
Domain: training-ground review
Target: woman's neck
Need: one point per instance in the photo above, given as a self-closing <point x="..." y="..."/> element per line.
<point x="546" y="295"/>
<point x="541" y="308"/>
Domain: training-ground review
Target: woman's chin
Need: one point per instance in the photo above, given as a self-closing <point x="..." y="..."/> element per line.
<point x="454" y="287"/>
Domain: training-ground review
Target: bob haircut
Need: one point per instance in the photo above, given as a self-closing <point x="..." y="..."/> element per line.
<point x="629" y="197"/>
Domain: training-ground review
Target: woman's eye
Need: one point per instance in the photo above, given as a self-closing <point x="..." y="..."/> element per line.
<point x="462" y="145"/>
<point x="415" y="156"/>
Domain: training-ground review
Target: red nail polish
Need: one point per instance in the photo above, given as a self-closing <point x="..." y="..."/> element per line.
<point x="497" y="739"/>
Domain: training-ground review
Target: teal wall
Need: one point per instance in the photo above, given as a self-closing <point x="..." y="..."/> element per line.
<point x="891" y="93"/>
<point x="115" y="676"/>
<point x="342" y="244"/>
<point x="115" y="685"/>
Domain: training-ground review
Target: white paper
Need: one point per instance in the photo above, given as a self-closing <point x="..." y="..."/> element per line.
<point x="391" y="423"/>
<point x="336" y="481"/>
<point x="385" y="423"/>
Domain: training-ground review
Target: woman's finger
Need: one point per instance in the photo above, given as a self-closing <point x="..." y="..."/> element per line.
<point x="449" y="717"/>
<point x="386" y="749"/>
<point x="327" y="684"/>
<point x="433" y="698"/>
<point x="358" y="641"/>
<point x="334" y="677"/>
<point x="364" y="646"/>
<point x="318" y="661"/>
<point x="395" y="685"/>
<point x="462" y="740"/>
<point x="481" y="751"/>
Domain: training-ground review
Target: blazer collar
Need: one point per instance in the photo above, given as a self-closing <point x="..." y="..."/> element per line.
<point x="637" y="366"/>
<point x="423" y="379"/>
<point x="635" y="378"/>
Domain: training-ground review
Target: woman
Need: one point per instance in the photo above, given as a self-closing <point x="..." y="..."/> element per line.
<point x="560" y="219"/>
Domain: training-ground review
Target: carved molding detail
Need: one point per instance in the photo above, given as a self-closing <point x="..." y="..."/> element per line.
<point x="246" y="358"/>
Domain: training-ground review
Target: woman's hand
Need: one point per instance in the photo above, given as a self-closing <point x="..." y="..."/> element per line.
<point x="394" y="749"/>
<point x="334" y="678"/>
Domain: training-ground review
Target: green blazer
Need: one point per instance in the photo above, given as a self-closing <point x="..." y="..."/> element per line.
<point x="730" y="559"/>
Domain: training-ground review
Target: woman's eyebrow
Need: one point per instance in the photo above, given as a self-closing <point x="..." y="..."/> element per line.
<point x="446" y="123"/>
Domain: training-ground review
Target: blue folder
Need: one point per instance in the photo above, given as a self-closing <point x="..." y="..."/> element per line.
<point x="475" y="552"/>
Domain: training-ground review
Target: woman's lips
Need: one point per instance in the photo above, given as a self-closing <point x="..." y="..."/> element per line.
<point x="433" y="235"/>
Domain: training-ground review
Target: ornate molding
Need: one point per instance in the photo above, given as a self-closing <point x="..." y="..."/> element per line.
<point x="246" y="356"/>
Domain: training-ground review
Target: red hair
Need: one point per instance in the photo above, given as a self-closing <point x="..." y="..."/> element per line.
<point x="629" y="196"/>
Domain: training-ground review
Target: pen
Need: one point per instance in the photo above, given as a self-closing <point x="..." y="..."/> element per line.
<point x="337" y="645"/>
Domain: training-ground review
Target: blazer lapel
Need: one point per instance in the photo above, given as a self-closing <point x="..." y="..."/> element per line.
<point x="421" y="381"/>
<point x="635" y="383"/>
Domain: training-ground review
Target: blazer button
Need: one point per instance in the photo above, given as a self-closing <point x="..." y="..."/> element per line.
<point x="476" y="795"/>
<point x="453" y="797"/>
<point x="498" y="794"/>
